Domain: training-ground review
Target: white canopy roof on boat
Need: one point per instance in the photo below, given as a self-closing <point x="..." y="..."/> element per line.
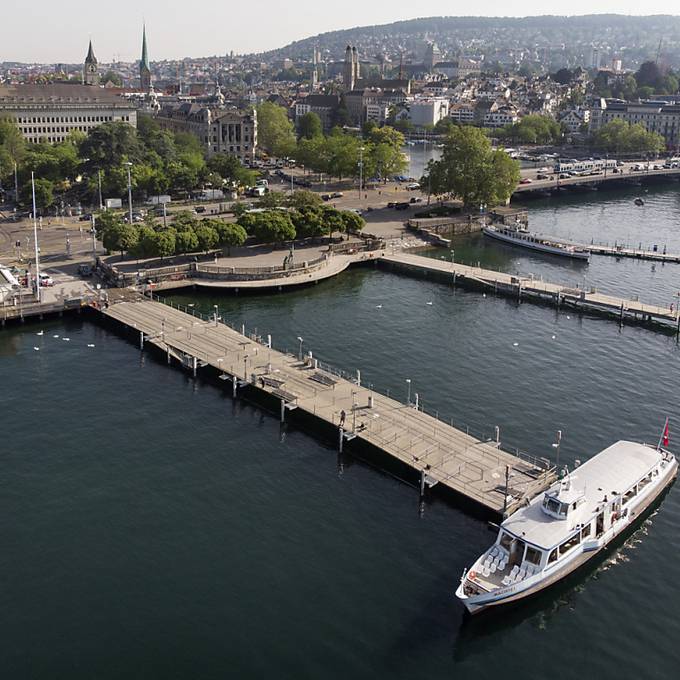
<point x="609" y="473"/>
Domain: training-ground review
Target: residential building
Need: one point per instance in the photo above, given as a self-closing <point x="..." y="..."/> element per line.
<point x="426" y="112"/>
<point x="49" y="113"/>
<point x="502" y="116"/>
<point x="462" y="113"/>
<point x="324" y="105"/>
<point x="574" y="119"/>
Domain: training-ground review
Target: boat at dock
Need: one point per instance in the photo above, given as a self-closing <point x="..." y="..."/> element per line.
<point x="575" y="519"/>
<point x="519" y="235"/>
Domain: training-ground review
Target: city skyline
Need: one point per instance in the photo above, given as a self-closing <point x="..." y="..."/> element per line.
<point x="173" y="34"/>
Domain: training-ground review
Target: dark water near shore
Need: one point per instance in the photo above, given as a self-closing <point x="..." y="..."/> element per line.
<point x="152" y="528"/>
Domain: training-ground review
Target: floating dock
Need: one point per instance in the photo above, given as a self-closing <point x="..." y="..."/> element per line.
<point x="425" y="449"/>
<point x="528" y="288"/>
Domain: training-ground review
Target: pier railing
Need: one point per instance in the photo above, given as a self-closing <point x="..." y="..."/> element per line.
<point x="543" y="465"/>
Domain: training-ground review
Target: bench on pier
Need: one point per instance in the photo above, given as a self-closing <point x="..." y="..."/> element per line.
<point x="271" y="382"/>
<point x="323" y="379"/>
<point x="528" y="470"/>
<point x="286" y="396"/>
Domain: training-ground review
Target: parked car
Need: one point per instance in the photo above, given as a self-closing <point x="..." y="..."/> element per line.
<point x="200" y="208"/>
<point x="526" y="180"/>
<point x="337" y="194"/>
<point x="416" y="199"/>
<point x="85" y="270"/>
<point x="414" y="186"/>
<point x="402" y="206"/>
<point x="542" y="175"/>
<point x="46" y="281"/>
<point x="85" y="218"/>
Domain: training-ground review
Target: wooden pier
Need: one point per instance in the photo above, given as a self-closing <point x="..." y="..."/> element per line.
<point x="619" y="250"/>
<point x="528" y="288"/>
<point x="425" y="449"/>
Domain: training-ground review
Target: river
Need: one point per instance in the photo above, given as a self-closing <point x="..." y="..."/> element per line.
<point x="153" y="528"/>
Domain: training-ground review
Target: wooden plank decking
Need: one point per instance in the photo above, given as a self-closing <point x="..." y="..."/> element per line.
<point x="438" y="452"/>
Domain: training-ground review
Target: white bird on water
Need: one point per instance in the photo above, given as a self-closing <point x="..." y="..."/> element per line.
<point x="37" y="349"/>
<point x="55" y="336"/>
<point x="428" y="303"/>
<point x="39" y="332"/>
<point x="515" y="344"/>
<point x="90" y="345"/>
<point x="378" y="306"/>
<point x="66" y="339"/>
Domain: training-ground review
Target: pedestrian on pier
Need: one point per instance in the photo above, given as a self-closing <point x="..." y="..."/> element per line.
<point x="343" y="415"/>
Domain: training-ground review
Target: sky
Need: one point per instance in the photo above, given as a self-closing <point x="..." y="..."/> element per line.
<point x="58" y="32"/>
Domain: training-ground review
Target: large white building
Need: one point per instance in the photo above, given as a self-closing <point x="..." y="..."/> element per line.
<point x="655" y="116"/>
<point x="49" y="113"/>
<point x="219" y="130"/>
<point x="424" y="112"/>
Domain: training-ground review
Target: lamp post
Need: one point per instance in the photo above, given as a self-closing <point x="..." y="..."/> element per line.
<point x="99" y="181"/>
<point x="215" y="314"/>
<point x="35" y="241"/>
<point x="361" y="176"/>
<point x="300" y="340"/>
<point x="408" y="395"/>
<point x="129" y="166"/>
<point x="556" y="445"/>
<point x="16" y="184"/>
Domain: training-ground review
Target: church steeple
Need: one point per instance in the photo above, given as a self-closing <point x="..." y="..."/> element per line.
<point x="90" y="68"/>
<point x="144" y="69"/>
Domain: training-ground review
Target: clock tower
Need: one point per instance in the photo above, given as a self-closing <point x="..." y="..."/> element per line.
<point x="90" y="68"/>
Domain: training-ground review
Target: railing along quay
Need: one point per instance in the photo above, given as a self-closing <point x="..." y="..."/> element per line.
<point x="429" y="450"/>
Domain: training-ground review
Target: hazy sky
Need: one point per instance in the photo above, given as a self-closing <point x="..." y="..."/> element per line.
<point x="58" y="31"/>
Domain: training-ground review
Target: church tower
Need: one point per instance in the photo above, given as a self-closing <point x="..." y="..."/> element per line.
<point x="350" y="72"/>
<point x="90" y="68"/>
<point x="144" y="69"/>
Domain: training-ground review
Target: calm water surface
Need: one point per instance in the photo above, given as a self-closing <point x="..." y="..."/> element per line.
<point x="153" y="528"/>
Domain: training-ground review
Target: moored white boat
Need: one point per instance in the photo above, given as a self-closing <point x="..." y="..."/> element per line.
<point x="518" y="235"/>
<point x="568" y="525"/>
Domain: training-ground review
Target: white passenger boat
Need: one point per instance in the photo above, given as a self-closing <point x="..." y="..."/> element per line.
<point x="519" y="235"/>
<point x="568" y="525"/>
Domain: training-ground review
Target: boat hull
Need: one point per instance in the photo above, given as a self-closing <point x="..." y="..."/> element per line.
<point x="538" y="247"/>
<point x="506" y="596"/>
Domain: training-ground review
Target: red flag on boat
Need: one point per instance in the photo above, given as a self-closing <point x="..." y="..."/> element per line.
<point x="664" y="437"/>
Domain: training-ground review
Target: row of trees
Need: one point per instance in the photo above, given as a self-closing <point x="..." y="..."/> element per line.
<point x="532" y="129"/>
<point x="471" y="170"/>
<point x="648" y="80"/>
<point x="161" y="162"/>
<point x="338" y="154"/>
<point x="151" y="239"/>
<point x="618" y="136"/>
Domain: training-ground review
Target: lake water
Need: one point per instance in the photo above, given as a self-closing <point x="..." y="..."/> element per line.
<point x="153" y="528"/>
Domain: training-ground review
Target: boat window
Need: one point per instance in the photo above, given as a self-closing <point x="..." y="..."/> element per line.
<point x="629" y="494"/>
<point x="570" y="543"/>
<point x="586" y="531"/>
<point x="553" y="505"/>
<point x="533" y="556"/>
<point x="553" y="556"/>
<point x="506" y="541"/>
<point x="643" y="482"/>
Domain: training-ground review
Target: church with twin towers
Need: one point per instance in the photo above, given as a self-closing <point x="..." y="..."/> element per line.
<point x="91" y="75"/>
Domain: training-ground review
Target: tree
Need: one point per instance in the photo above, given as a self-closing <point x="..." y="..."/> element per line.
<point x="649" y="75"/>
<point x="207" y="235"/>
<point x="165" y="243"/>
<point x="230" y="235"/>
<point x="275" y="130"/>
<point x="186" y="242"/>
<point x="12" y="146"/>
<point x="332" y="220"/>
<point x="110" y="145"/>
<point x="273" y="199"/>
<point x="564" y="76"/>
<point x="309" y="125"/>
<point x="620" y="136"/>
<point x="303" y="199"/>
<point x="269" y="226"/>
<point x="353" y="223"/>
<point x="44" y="194"/>
<point x="229" y="167"/>
<point x="308" y="222"/>
<point x="121" y="237"/>
<point x="112" y="77"/>
<point x="147" y="244"/>
<point x="184" y="221"/>
<point x="472" y="171"/>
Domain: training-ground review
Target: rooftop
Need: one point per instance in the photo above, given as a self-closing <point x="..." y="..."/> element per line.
<point x="611" y="472"/>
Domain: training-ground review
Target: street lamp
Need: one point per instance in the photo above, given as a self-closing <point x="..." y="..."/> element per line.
<point x="361" y="176"/>
<point x="556" y="445"/>
<point x="408" y="396"/>
<point x="99" y="180"/>
<point x="300" y="340"/>
<point x="215" y="308"/>
<point x="129" y="165"/>
<point x="35" y="241"/>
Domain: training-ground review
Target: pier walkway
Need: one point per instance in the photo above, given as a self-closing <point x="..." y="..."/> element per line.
<point x="620" y="250"/>
<point x="432" y="450"/>
<point x="522" y="287"/>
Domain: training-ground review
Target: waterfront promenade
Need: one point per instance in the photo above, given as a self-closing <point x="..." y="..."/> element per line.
<point x="424" y="447"/>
